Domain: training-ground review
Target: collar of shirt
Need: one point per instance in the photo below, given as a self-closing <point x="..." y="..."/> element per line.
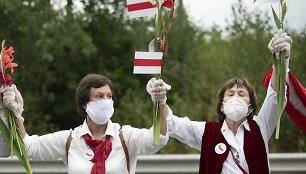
<point x="232" y="140"/>
<point x="109" y="130"/>
<point x="225" y="127"/>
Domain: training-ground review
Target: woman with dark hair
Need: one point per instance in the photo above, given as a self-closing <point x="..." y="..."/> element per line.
<point x="98" y="145"/>
<point x="238" y="143"/>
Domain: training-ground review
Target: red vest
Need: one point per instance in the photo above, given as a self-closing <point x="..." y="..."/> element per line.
<point x="254" y="149"/>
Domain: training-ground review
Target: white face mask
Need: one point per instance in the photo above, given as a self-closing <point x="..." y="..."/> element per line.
<point x="100" y="112"/>
<point x="236" y="108"/>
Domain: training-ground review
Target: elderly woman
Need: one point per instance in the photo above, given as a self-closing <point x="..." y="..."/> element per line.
<point x="96" y="146"/>
<point x="238" y="143"/>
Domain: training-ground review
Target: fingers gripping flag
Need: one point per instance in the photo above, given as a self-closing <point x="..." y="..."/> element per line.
<point x="147" y="62"/>
<point x="140" y="8"/>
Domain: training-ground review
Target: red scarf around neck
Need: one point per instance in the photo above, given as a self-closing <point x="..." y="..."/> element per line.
<point x="101" y="151"/>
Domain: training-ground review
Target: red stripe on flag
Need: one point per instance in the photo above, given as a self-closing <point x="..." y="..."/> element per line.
<point x="140" y="6"/>
<point x="147" y="62"/>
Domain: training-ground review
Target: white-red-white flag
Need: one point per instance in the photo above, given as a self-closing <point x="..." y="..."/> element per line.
<point x="296" y="99"/>
<point x="140" y="8"/>
<point x="147" y="62"/>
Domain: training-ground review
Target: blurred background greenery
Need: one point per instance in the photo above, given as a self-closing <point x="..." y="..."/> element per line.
<point x="57" y="46"/>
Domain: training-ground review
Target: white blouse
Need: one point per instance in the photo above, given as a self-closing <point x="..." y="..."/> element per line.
<point x="53" y="146"/>
<point x="191" y="132"/>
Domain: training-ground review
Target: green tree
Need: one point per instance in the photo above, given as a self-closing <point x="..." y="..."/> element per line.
<point x="21" y="23"/>
<point x="55" y="48"/>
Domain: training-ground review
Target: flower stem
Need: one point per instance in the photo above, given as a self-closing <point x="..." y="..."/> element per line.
<point x="13" y="136"/>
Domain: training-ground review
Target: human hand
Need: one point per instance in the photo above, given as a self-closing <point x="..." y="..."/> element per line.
<point x="158" y="90"/>
<point x="13" y="100"/>
<point x="280" y="42"/>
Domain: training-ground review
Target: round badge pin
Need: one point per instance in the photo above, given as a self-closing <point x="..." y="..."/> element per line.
<point x="220" y="148"/>
<point x="88" y="155"/>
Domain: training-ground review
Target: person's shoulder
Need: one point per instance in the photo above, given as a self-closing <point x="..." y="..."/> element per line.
<point x="116" y="126"/>
<point x="75" y="131"/>
<point x="212" y="123"/>
<point x="255" y="119"/>
<point x="76" y="128"/>
<point x="129" y="129"/>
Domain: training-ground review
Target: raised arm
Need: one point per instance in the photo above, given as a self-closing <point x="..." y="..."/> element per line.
<point x="183" y="129"/>
<point x="280" y="42"/>
<point x="46" y="147"/>
<point x="158" y="90"/>
<point x="10" y="98"/>
<point x="13" y="100"/>
<point x="267" y="116"/>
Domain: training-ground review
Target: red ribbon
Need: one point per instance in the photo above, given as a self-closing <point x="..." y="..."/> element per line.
<point x="160" y="44"/>
<point x="101" y="151"/>
<point x="168" y="3"/>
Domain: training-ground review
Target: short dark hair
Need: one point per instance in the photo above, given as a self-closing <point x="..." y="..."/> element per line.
<point x="82" y="93"/>
<point x="240" y="83"/>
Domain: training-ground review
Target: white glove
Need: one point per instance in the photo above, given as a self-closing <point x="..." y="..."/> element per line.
<point x="12" y="99"/>
<point x="280" y="42"/>
<point x="158" y="90"/>
<point x="160" y="2"/>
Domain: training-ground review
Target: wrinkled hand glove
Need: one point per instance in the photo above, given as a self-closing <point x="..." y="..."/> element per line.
<point x="158" y="90"/>
<point x="13" y="100"/>
<point x="160" y="2"/>
<point x="280" y="42"/>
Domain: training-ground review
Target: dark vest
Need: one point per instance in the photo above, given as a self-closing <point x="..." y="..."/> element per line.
<point x="254" y="149"/>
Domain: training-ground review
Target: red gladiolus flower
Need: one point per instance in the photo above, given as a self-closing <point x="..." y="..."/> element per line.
<point x="6" y="80"/>
<point x="11" y="65"/>
<point x="7" y="63"/>
<point x="169" y="3"/>
<point x="9" y="51"/>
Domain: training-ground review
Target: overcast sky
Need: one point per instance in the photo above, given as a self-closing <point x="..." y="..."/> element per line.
<point x="206" y="12"/>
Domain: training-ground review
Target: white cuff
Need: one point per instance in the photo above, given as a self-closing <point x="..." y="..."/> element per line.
<point x="163" y="138"/>
<point x="170" y="113"/>
<point x="287" y="68"/>
<point x="19" y="117"/>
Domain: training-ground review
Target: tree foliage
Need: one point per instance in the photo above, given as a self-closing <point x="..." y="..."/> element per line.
<point x="56" y="47"/>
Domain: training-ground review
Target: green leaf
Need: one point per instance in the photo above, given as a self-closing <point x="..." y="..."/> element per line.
<point x="281" y="90"/>
<point x="282" y="1"/>
<point x="276" y="20"/>
<point x="158" y="23"/>
<point x="284" y="11"/>
<point x="275" y="61"/>
<point x="17" y="146"/>
<point x="156" y="123"/>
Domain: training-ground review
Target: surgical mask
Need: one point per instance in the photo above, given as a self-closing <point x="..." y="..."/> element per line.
<point x="100" y="112"/>
<point x="236" y="108"/>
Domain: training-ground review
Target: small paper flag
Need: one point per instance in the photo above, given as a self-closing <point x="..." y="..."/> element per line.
<point x="140" y="8"/>
<point x="147" y="62"/>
